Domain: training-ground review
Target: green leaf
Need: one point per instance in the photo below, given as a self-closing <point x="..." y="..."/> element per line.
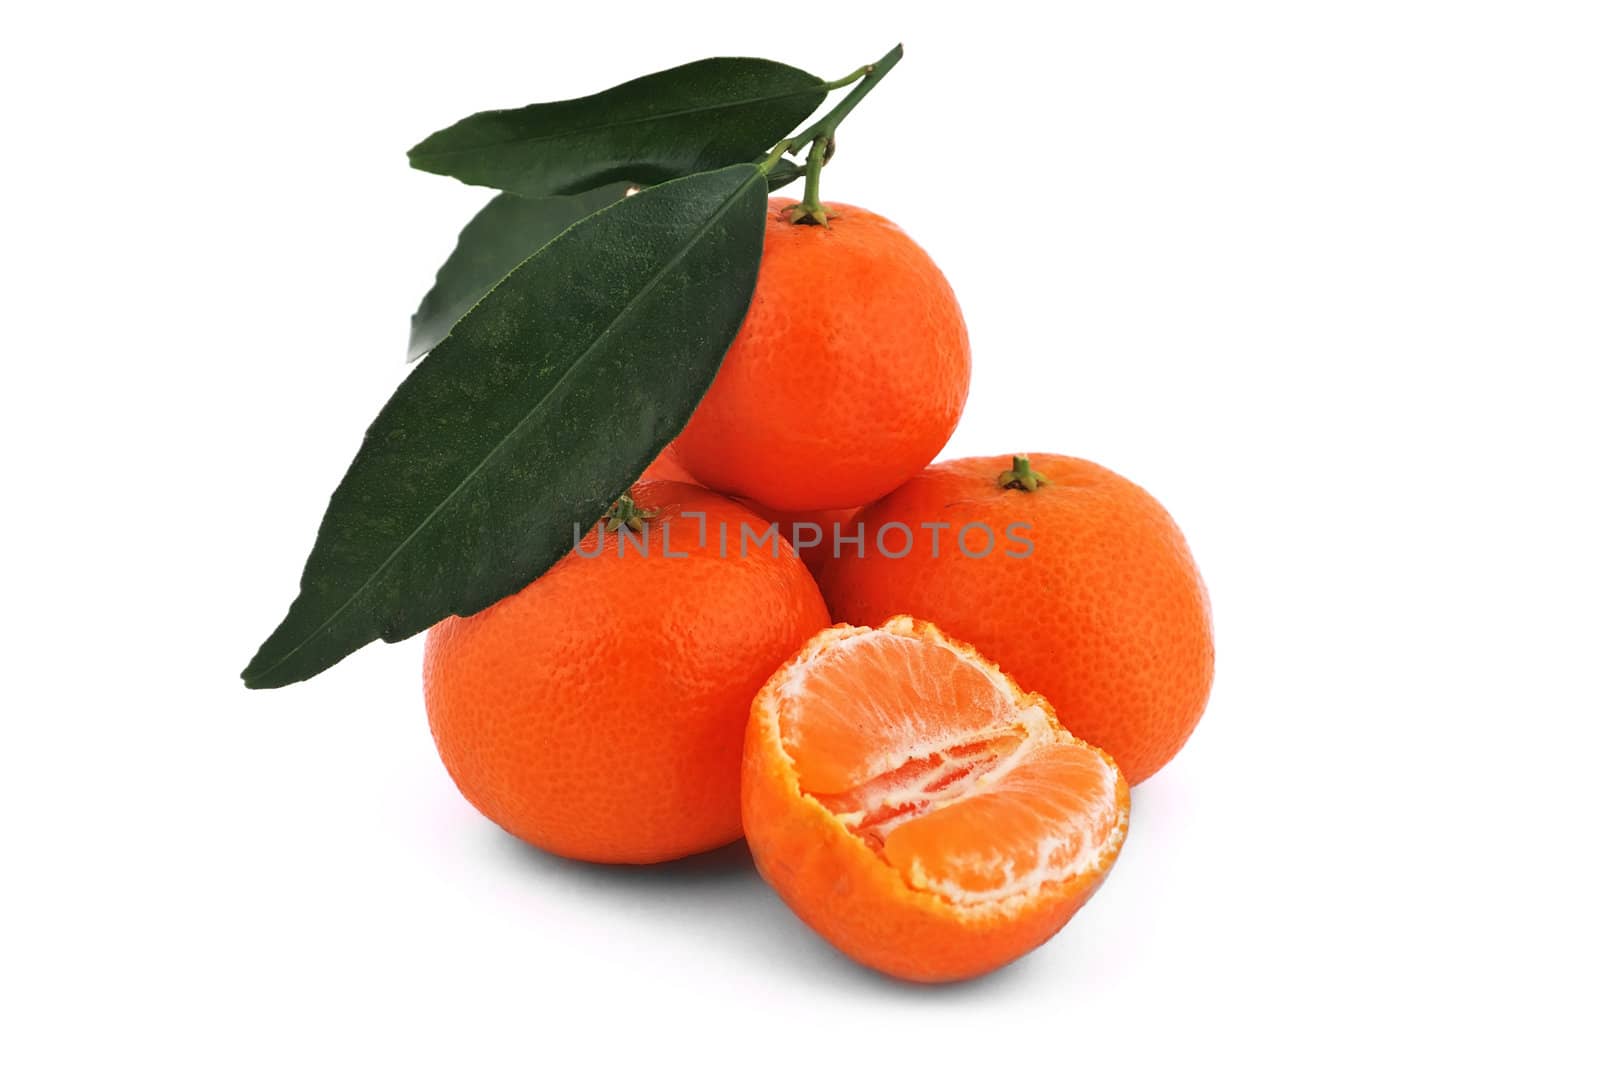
<point x="507" y="231"/>
<point x="538" y="411"/>
<point x="783" y="172"/>
<point x="697" y="117"/>
<point x="503" y="234"/>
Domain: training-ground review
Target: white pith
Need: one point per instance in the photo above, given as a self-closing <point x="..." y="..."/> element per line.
<point x="1060" y="858"/>
<point x="1031" y="721"/>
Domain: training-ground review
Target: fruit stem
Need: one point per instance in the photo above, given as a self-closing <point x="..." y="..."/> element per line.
<point x="810" y="209"/>
<point x="1021" y="477"/>
<point x="625" y="513"/>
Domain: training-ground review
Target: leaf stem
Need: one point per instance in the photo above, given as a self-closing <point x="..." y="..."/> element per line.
<point x="766" y="163"/>
<point x="871" y="75"/>
<point x="820" y="136"/>
<point x="853" y="76"/>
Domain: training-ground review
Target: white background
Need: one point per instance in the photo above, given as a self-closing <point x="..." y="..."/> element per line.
<point x="1324" y="278"/>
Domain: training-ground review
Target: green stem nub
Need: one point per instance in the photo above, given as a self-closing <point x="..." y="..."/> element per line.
<point x="626" y="514"/>
<point x="1021" y="476"/>
<point x="810" y="208"/>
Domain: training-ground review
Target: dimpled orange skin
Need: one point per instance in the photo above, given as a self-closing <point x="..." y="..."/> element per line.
<point x="804" y="526"/>
<point x="667" y="467"/>
<point x="848" y="375"/>
<point x="843" y="891"/>
<point x="599" y="713"/>
<point x="1107" y="617"/>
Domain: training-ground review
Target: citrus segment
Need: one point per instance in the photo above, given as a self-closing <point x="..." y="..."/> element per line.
<point x="867" y="703"/>
<point x="1043" y="815"/>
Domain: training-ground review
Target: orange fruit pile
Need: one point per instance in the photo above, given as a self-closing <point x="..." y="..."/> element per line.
<point x="927" y="814"/>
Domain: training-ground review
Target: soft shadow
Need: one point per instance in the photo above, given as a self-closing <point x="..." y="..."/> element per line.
<point x="730" y="863"/>
<point x="720" y="895"/>
<point x="996" y="984"/>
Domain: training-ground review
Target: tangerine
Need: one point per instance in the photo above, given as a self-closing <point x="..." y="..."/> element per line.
<point x="1071" y="576"/>
<point x="848" y="375"/>
<point x="913" y="806"/>
<point x="599" y="712"/>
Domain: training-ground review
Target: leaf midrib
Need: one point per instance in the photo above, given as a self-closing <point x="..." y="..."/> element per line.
<point x="627" y="310"/>
<point x="479" y="146"/>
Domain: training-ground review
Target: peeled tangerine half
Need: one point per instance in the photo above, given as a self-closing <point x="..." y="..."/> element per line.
<point x="919" y="810"/>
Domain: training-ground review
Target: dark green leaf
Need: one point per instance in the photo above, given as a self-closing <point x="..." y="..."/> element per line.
<point x="692" y="118"/>
<point x="783" y="172"/>
<point x="507" y="231"/>
<point x="544" y="403"/>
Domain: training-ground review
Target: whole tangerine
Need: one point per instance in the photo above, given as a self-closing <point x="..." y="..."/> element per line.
<point x="848" y="375"/>
<point x="1072" y="577"/>
<point x="599" y="713"/>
